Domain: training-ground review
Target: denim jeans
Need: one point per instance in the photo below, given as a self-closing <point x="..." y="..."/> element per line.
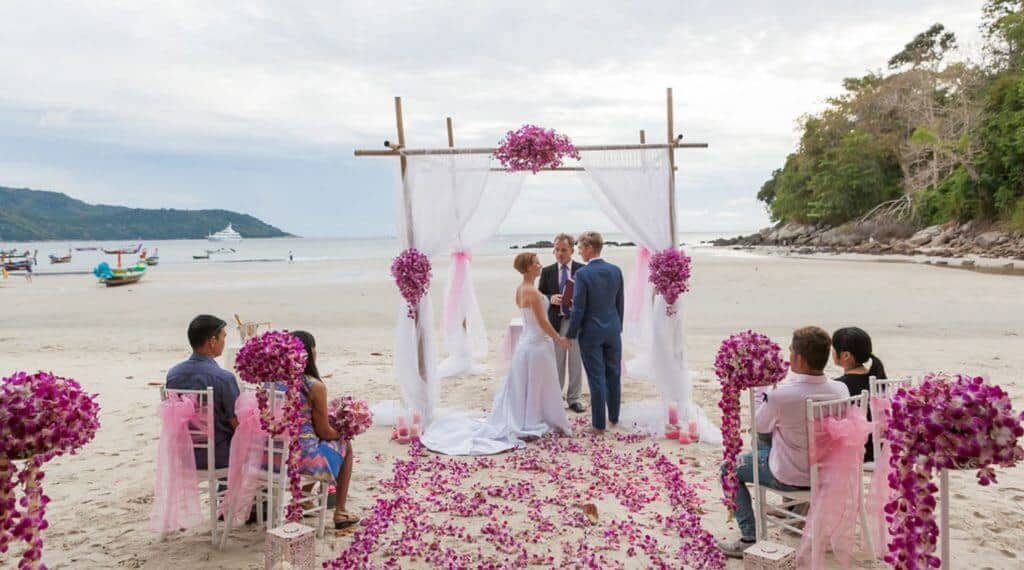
<point x="745" y="473"/>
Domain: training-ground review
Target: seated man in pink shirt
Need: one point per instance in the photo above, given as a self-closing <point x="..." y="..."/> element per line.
<point x="782" y="412"/>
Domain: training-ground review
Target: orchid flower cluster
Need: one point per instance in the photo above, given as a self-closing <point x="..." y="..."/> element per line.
<point x="349" y="416"/>
<point x="745" y="360"/>
<point x="42" y="416"/>
<point x="278" y="356"/>
<point x="412" y="273"/>
<point x="945" y="422"/>
<point x="446" y="512"/>
<point x="534" y="148"/>
<point x="670" y="275"/>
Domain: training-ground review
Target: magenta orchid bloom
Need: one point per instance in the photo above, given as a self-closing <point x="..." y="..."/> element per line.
<point x="534" y="148"/>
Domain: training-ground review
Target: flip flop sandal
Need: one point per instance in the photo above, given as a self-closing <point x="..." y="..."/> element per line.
<point x="345" y="522"/>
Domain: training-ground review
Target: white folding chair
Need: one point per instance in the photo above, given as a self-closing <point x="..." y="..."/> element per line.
<point x="204" y="439"/>
<point x="782" y="516"/>
<point x="314" y="502"/>
<point x="883" y="389"/>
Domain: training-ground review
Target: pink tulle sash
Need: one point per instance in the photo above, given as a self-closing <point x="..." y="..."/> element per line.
<point x="878" y="492"/>
<point x="245" y="463"/>
<point x="176" y="487"/>
<point x="460" y="272"/>
<point x="835" y="500"/>
<point x="637" y="286"/>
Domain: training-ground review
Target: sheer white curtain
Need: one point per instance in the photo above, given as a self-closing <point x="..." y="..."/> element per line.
<point x="631" y="187"/>
<point x="439" y="196"/>
<point x="462" y="325"/>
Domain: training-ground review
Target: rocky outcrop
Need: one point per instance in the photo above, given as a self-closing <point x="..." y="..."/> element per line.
<point x="948" y="240"/>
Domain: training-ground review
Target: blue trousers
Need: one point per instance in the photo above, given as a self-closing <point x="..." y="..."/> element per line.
<point x="602" y="359"/>
<point x="745" y="473"/>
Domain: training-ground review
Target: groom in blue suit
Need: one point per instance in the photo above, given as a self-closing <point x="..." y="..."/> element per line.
<point x="596" y="323"/>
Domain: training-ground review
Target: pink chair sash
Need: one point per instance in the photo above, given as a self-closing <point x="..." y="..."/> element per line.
<point x="878" y="492"/>
<point x="460" y="271"/>
<point x="637" y="286"/>
<point x="835" y="500"/>
<point x="244" y="468"/>
<point x="176" y="486"/>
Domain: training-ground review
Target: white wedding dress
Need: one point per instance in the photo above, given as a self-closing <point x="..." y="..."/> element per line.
<point x="528" y="404"/>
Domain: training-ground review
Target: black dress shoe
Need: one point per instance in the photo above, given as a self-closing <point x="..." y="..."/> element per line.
<point x="576" y="407"/>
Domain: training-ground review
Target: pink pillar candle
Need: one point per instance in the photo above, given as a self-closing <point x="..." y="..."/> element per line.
<point x="414" y="431"/>
<point x="417" y="418"/>
<point x="673" y="413"/>
<point x="671" y="432"/>
<point x="684" y="438"/>
<point x="400" y="422"/>
<point x="692" y="429"/>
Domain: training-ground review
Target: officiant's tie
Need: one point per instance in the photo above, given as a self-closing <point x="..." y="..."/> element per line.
<point x="562" y="278"/>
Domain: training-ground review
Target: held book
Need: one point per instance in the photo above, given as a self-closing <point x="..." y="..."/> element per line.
<point x="566" y="305"/>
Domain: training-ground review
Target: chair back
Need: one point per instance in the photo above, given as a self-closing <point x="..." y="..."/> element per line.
<point x="822" y="409"/>
<point x="201" y="432"/>
<point x="882" y="389"/>
<point x="249" y="329"/>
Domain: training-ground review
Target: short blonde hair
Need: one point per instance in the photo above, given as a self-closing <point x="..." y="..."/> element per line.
<point x="593" y="239"/>
<point x="524" y="261"/>
<point x="566" y="237"/>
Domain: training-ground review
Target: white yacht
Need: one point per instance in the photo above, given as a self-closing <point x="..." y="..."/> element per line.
<point x="226" y="234"/>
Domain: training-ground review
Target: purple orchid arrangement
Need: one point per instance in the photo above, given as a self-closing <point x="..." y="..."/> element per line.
<point x="349" y="416"/>
<point x="534" y="148"/>
<point x="277" y="356"/>
<point x="412" y="273"/>
<point x="42" y="416"/>
<point x="946" y="422"/>
<point x="670" y="275"/>
<point x="745" y="360"/>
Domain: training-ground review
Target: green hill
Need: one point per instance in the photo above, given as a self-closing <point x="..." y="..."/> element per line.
<point x="29" y="215"/>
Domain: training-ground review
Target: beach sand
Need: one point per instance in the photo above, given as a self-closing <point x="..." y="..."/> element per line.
<point x="120" y="343"/>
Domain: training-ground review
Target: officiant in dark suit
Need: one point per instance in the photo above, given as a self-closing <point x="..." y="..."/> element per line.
<point x="553" y="281"/>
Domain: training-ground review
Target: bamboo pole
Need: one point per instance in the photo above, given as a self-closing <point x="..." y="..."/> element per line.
<point x="451" y="136"/>
<point x="484" y="150"/>
<point x="406" y="197"/>
<point x="643" y="137"/>
<point x="672" y="168"/>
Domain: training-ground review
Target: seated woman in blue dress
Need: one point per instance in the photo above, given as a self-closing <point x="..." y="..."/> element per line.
<point x="325" y="456"/>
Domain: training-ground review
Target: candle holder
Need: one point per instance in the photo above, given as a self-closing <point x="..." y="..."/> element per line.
<point x="290" y="546"/>
<point x="766" y="555"/>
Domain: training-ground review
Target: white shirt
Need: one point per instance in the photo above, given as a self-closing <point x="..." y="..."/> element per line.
<point x="784" y="415"/>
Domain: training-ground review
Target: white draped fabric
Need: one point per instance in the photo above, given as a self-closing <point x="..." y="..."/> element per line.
<point x="448" y="201"/>
<point x="477" y="217"/>
<point x="632" y="189"/>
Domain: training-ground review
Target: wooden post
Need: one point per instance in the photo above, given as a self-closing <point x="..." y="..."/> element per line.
<point x="643" y="137"/>
<point x="406" y="197"/>
<point x="451" y="136"/>
<point x="672" y="169"/>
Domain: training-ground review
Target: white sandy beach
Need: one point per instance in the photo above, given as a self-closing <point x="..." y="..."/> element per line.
<point x="120" y="343"/>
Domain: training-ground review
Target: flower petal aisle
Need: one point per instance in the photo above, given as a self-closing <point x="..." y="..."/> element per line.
<point x="586" y="502"/>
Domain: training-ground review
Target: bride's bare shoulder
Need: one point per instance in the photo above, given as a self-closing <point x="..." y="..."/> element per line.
<point x="526" y="295"/>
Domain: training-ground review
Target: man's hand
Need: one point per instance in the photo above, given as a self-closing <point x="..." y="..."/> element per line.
<point x="564" y="343"/>
<point x="556" y="299"/>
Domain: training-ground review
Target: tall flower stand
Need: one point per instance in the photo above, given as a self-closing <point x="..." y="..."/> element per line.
<point x="290" y="546"/>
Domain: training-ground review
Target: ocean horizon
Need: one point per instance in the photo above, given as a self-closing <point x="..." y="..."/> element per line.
<point x="181" y="251"/>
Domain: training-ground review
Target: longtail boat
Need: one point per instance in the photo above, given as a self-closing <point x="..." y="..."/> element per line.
<point x="60" y="258"/>
<point x="127" y="249"/>
<point x="113" y="277"/>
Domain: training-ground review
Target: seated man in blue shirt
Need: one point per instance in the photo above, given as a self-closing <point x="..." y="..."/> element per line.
<point x="206" y="335"/>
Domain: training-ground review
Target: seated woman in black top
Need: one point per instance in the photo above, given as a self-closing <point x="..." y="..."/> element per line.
<point x="851" y="349"/>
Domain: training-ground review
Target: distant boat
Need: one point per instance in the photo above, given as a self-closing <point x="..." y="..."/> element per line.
<point x="13" y="254"/>
<point x="203" y="256"/>
<point x="119" y="276"/>
<point x="153" y="259"/>
<point x="127" y="249"/>
<point x="221" y="250"/>
<point x="88" y="248"/>
<point x="60" y="258"/>
<point x="226" y="234"/>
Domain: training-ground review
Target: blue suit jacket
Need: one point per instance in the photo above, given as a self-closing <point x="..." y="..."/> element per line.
<point x="597" y="303"/>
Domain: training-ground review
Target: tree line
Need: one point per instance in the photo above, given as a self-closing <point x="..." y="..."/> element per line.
<point x="930" y="140"/>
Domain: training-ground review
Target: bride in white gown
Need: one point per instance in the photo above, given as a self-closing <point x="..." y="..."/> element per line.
<point x="529" y="402"/>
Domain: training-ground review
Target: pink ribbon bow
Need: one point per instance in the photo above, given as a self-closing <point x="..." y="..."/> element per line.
<point x="176" y="485"/>
<point x="835" y="499"/>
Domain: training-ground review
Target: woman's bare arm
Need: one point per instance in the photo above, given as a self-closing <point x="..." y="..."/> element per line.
<point x="533" y="298"/>
<point x="318" y="405"/>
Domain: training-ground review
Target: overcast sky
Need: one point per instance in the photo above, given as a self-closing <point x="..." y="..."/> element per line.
<point x="256" y="106"/>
